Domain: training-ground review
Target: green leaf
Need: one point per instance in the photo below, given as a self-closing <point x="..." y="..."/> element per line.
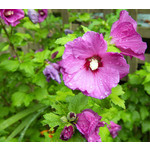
<point x="6" y="123"/>
<point x="135" y="79"/>
<point x="117" y="90"/>
<point x="118" y="101"/>
<point x="20" y="98"/>
<point x="104" y="134"/>
<point x="147" y="87"/>
<point x="41" y="56"/>
<point x="10" y="65"/>
<point x="40" y="93"/>
<point x="27" y="67"/>
<point x="20" y="127"/>
<point x="114" y="96"/>
<point x="4" y="46"/>
<point x="145" y="126"/>
<point x="52" y="120"/>
<point x="77" y="103"/>
<point x="39" y="79"/>
<point x="147" y="78"/>
<point x="144" y="112"/>
<point x="135" y="116"/>
<point x="64" y="40"/>
<point x="84" y="17"/>
<point x="60" y="50"/>
<point x="29" y="25"/>
<point x="85" y="29"/>
<point x="114" y="49"/>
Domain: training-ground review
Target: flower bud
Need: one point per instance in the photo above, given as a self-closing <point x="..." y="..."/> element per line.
<point x="67" y="133"/>
<point x="71" y="116"/>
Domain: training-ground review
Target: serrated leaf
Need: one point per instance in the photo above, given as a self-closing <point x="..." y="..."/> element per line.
<point x="39" y="79"/>
<point x="117" y="90"/>
<point x="147" y="87"/>
<point x="77" y="103"/>
<point x="20" y="98"/>
<point x="147" y="78"/>
<point x="10" y="65"/>
<point x="84" y="17"/>
<point x="52" y="120"/>
<point x="144" y="112"/>
<point x="41" y="56"/>
<point x="117" y="101"/>
<point x="4" y="46"/>
<point x="60" y="50"/>
<point x="64" y="40"/>
<point x="135" y="116"/>
<point x="85" y="29"/>
<point x="104" y="134"/>
<point x="145" y="126"/>
<point x="113" y="49"/>
<point x="135" y="79"/>
<point x="27" y="67"/>
<point x="114" y="96"/>
<point x="40" y="93"/>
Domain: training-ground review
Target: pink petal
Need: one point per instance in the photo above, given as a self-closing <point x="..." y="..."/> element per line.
<point x="90" y="44"/>
<point x="116" y="61"/>
<point x="125" y="37"/>
<point x="124" y="17"/>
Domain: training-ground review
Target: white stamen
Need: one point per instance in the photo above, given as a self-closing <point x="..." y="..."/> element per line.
<point x="94" y="64"/>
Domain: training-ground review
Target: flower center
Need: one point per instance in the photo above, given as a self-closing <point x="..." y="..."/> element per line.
<point x="8" y="13"/>
<point x="93" y="63"/>
<point x="42" y="13"/>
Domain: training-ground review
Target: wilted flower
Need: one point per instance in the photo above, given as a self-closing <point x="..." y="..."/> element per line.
<point x="54" y="55"/>
<point x="114" y="129"/>
<point x="125" y="37"/>
<point x="67" y="31"/>
<point x="52" y="71"/>
<point x="12" y="16"/>
<point x="88" y="123"/>
<point x="33" y="15"/>
<point x="66" y="133"/>
<point x="42" y="14"/>
<point x="86" y="66"/>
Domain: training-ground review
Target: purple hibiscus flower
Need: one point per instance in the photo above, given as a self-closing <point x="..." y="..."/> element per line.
<point x="125" y="37"/>
<point x="114" y="129"/>
<point x="67" y="133"/>
<point x="67" y="31"/>
<point x="33" y="15"/>
<point x="42" y="14"/>
<point x="12" y="16"/>
<point x="86" y="66"/>
<point x="88" y="123"/>
<point x="52" y="71"/>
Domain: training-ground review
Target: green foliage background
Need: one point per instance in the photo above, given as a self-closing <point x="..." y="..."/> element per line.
<point x="29" y="104"/>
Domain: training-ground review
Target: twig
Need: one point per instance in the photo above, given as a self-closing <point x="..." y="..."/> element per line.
<point x="8" y="37"/>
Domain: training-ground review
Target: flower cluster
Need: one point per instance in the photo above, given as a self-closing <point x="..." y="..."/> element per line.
<point x="88" y="123"/>
<point x="87" y="66"/>
<point x="37" y="16"/>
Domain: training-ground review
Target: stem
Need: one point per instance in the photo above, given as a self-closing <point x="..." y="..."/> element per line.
<point x="8" y="37"/>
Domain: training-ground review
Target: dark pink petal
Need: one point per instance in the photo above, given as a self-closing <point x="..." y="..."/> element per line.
<point x="124" y="17"/>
